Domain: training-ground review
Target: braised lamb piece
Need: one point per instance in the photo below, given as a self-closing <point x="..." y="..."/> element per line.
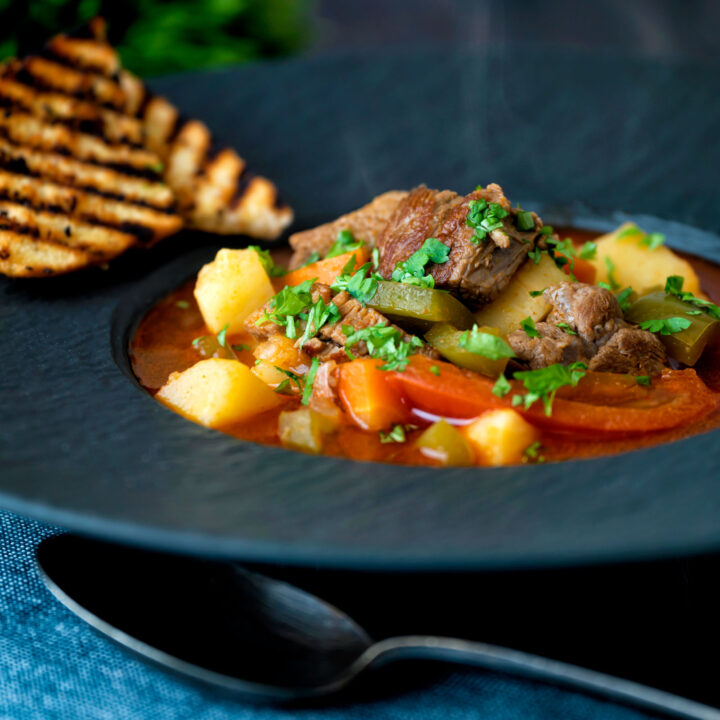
<point x="476" y="270"/>
<point x="586" y="325"/>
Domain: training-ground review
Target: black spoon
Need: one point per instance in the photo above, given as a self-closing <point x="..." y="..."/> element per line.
<point x="265" y="639"/>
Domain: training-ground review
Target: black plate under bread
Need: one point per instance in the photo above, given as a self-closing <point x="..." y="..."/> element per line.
<point x="83" y="446"/>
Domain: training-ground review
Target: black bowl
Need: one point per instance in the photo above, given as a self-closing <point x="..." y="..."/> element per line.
<point x="84" y="447"/>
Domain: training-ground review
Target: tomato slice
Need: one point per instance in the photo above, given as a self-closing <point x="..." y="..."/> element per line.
<point x="601" y="403"/>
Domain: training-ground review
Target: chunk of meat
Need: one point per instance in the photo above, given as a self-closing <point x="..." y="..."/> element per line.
<point x="553" y="346"/>
<point x="631" y="350"/>
<point x="365" y="224"/>
<point x="475" y="272"/>
<point x="591" y="311"/>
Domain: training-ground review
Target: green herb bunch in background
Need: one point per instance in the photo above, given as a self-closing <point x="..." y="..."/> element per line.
<point x="163" y="36"/>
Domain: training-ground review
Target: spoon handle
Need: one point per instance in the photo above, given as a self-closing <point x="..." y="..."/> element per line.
<point x="554" y="672"/>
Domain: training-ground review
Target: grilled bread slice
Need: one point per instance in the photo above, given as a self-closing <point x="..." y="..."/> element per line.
<point x="91" y="163"/>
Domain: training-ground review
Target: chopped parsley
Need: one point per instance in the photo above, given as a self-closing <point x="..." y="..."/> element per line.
<point x="642" y="379"/>
<point x="501" y="387"/>
<point x="525" y="221"/>
<point x="623" y="299"/>
<point x="673" y="286"/>
<point x="610" y="267"/>
<point x="319" y="315"/>
<point x="285" y="387"/>
<point x="397" y="434"/>
<point x="156" y="167"/>
<point x="222" y="336"/>
<point x="267" y="261"/>
<point x="313" y="257"/>
<point x="534" y="255"/>
<point x="345" y="243"/>
<point x="183" y="304"/>
<point x="309" y="380"/>
<point x="484" y="217"/>
<point x="631" y="229"/>
<point x="546" y="230"/>
<point x="564" y="326"/>
<point x="486" y="344"/>
<point x="528" y="325"/>
<point x="605" y="285"/>
<point x="543" y="384"/>
<point x="588" y="251"/>
<point x="435" y="370"/>
<point x="653" y="240"/>
<point x="693" y="312"/>
<point x="375" y="256"/>
<point x="412" y="270"/>
<point x="536" y="293"/>
<point x="361" y="284"/>
<point x="240" y="347"/>
<point x="384" y="342"/>
<point x="532" y="453"/>
<point x="666" y="326"/>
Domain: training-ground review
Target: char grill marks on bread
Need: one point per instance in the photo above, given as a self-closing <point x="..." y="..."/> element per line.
<point x="91" y="163"/>
<point x="586" y="325"/>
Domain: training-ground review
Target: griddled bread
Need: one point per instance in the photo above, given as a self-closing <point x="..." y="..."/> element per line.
<point x="91" y="163"/>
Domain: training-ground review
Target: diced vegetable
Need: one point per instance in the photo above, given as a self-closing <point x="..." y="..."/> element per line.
<point x="610" y="407"/>
<point x="623" y="257"/>
<point x="229" y="288"/>
<point x="422" y="306"/>
<point x="268" y="373"/>
<point x="217" y="392"/>
<point x="325" y="271"/>
<point x="500" y="437"/>
<point x="515" y="302"/>
<point x="282" y="351"/>
<point x="304" y="429"/>
<point x="442" y="442"/>
<point x="686" y="345"/>
<point x="367" y="397"/>
<point x="446" y="340"/>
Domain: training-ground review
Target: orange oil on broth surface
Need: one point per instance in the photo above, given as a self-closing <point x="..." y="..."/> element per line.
<point x="163" y="344"/>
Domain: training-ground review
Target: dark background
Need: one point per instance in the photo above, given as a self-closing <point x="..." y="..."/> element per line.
<point x="163" y="36"/>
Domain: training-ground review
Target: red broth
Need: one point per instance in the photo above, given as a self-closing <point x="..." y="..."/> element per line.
<point x="163" y="344"/>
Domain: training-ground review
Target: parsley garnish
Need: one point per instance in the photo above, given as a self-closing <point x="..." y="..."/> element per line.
<point x="666" y="326"/>
<point x="384" y="342"/>
<point x="309" y="380"/>
<point x="313" y="257"/>
<point x="653" y="240"/>
<point x="285" y="387"/>
<point x="534" y="255"/>
<point x="435" y="370"/>
<point x="488" y="345"/>
<point x="502" y="387"/>
<point x="375" y="256"/>
<point x="542" y="384"/>
<point x="605" y="285"/>
<point x="345" y="243"/>
<point x="525" y="221"/>
<point x="412" y="270"/>
<point x="528" y="325"/>
<point x="642" y="379"/>
<point x="221" y="336"/>
<point x="536" y="293"/>
<point x="157" y="167"/>
<point x="240" y="347"/>
<point x="693" y="312"/>
<point x="610" y="267"/>
<point x="532" y="453"/>
<point x="267" y="261"/>
<point x="629" y="230"/>
<point x="183" y="304"/>
<point x="588" y="251"/>
<point x="319" y="315"/>
<point x="484" y="217"/>
<point x="546" y="230"/>
<point x="287" y="304"/>
<point x="397" y="434"/>
<point x="362" y="284"/>
<point x="673" y="286"/>
<point x="564" y="326"/>
<point x="624" y="299"/>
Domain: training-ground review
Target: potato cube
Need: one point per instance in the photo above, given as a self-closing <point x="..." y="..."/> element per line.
<point x="268" y="373"/>
<point x="229" y="288"/>
<point x="217" y="392"/>
<point x="500" y="437"/>
<point x="636" y="265"/>
<point x="515" y="302"/>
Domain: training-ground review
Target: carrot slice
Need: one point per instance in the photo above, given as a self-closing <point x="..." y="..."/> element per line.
<point x="601" y="403"/>
<point x="325" y="271"/>
<point x="367" y="396"/>
<point x="583" y="270"/>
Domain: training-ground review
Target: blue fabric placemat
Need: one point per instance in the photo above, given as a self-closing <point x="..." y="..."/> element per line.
<point x="53" y="666"/>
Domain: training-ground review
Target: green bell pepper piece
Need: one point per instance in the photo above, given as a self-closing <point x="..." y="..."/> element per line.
<point x="687" y="345"/>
